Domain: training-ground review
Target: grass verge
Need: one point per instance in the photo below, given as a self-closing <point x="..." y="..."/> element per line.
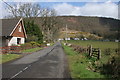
<point x="99" y="44"/>
<point x="78" y="64"/>
<point x="8" y="57"/>
<point x="31" y="50"/>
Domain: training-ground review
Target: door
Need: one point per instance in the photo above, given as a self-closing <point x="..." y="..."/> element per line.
<point x="18" y="40"/>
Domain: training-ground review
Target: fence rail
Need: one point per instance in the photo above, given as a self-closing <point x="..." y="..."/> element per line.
<point x="14" y="49"/>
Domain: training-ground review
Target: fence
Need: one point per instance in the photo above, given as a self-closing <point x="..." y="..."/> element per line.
<point x="94" y="52"/>
<point x="13" y="49"/>
<point x="8" y="49"/>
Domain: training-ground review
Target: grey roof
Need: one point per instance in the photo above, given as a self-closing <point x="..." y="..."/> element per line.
<point x="7" y="26"/>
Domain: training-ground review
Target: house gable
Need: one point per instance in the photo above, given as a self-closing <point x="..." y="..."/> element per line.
<point x="19" y="30"/>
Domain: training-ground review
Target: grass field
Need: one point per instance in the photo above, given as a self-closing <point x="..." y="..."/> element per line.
<point x="96" y="44"/>
<point x="99" y="44"/>
<point x="79" y="64"/>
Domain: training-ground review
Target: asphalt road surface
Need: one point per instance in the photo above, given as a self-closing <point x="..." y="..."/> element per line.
<point x="47" y="63"/>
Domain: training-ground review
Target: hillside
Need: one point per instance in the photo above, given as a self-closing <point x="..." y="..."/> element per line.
<point x="77" y="34"/>
<point x="105" y="27"/>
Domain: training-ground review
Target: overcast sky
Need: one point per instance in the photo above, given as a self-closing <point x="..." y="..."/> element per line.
<point x="100" y="8"/>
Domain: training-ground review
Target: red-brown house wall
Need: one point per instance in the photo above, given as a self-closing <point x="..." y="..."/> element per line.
<point x="16" y="33"/>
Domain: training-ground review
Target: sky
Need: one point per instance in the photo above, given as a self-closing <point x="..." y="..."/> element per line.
<point x="100" y="8"/>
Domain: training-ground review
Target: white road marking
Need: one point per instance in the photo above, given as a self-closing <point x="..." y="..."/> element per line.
<point x="26" y="67"/>
<point x="20" y="72"/>
<point x="16" y="74"/>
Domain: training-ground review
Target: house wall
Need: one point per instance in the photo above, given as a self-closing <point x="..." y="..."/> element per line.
<point x="13" y="41"/>
<point x="16" y="32"/>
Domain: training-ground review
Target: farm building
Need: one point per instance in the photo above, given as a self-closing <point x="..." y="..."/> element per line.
<point x="13" y="32"/>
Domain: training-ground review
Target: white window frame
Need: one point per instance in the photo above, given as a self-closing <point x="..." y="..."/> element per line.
<point x="20" y="29"/>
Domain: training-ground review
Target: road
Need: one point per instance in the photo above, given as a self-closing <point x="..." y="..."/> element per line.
<point x="47" y="63"/>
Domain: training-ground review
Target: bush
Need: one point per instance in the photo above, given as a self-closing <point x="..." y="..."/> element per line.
<point x="35" y="44"/>
<point x="26" y="46"/>
<point x="79" y="49"/>
<point x="30" y="45"/>
<point x="31" y="38"/>
<point x="112" y="68"/>
<point x="117" y="50"/>
<point x="107" y="51"/>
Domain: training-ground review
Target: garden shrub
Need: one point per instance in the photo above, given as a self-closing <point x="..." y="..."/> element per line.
<point x="34" y="44"/>
<point x="26" y="46"/>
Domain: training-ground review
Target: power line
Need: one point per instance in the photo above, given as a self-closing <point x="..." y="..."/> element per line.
<point x="12" y="8"/>
<point x="8" y="4"/>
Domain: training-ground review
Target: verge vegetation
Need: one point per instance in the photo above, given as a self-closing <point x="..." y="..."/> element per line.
<point x="82" y="66"/>
<point x="31" y="50"/>
<point x="8" y="57"/>
<point x="78" y="64"/>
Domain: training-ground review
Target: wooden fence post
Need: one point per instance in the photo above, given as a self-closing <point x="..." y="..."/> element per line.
<point x="99" y="53"/>
<point x="90" y="50"/>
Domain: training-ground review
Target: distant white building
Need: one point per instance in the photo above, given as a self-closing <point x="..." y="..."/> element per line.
<point x="116" y="40"/>
<point x="85" y="39"/>
<point x="76" y="39"/>
<point x="60" y="39"/>
<point x="67" y="38"/>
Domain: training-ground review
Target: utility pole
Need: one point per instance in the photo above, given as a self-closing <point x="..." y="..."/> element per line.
<point x="66" y="34"/>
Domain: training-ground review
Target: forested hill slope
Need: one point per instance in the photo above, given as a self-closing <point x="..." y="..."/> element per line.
<point x="102" y="26"/>
<point x="105" y="27"/>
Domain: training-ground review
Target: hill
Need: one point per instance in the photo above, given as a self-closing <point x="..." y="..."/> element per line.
<point x="104" y="27"/>
<point x="77" y="34"/>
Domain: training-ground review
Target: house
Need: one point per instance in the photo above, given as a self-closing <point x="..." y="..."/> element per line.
<point x="13" y="32"/>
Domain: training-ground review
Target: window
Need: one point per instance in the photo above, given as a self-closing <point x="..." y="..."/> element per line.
<point x="18" y="40"/>
<point x="20" y="29"/>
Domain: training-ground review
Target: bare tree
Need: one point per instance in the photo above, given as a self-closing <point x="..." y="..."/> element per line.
<point x="48" y="16"/>
<point x="49" y="21"/>
<point x="24" y="10"/>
